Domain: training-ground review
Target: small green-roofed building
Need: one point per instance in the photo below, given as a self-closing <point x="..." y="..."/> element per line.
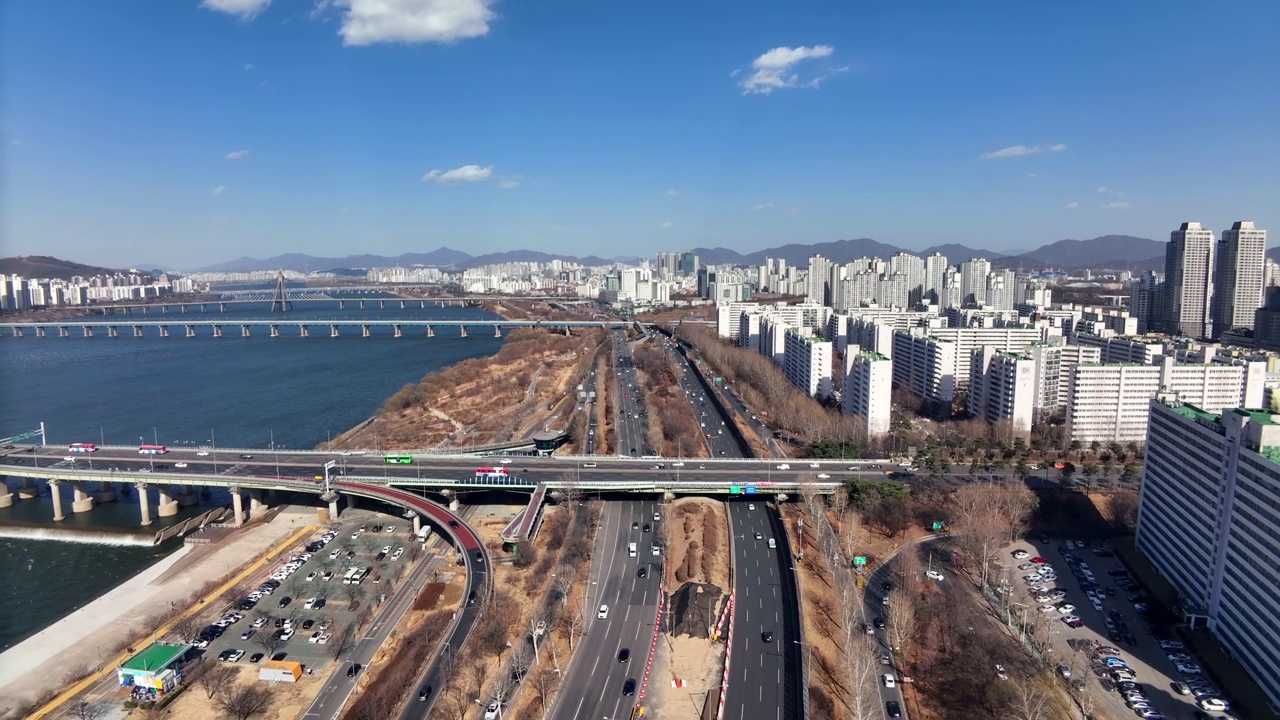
<point x="157" y="666"/>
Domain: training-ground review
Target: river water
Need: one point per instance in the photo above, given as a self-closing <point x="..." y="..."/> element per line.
<point x="241" y="392"/>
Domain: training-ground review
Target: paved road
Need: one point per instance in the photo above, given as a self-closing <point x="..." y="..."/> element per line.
<point x="874" y="608"/>
<point x="593" y="681"/>
<point x="763" y="676"/>
<point x="631" y="417"/>
<point x="713" y="423"/>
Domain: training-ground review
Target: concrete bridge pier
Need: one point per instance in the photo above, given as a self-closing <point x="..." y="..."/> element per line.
<point x="333" y="331"/>
<point x="464" y="330"/>
<point x="237" y="506"/>
<point x="217" y="331"/>
<point x="497" y="331"/>
<point x="81" y="502"/>
<point x="144" y="504"/>
<point x="27" y="489"/>
<point x="6" y="496"/>
<point x="203" y="308"/>
<point x="668" y="496"/>
<point x="111" y="331"/>
<point x="106" y="493"/>
<point x="401" y="304"/>
<point x="146" y="310"/>
<point x="184" y="308"/>
<point x="431" y="331"/>
<point x="257" y="508"/>
<point x="137" y="331"/>
<point x="454" y="505"/>
<point x="361" y="304"/>
<point x="88" y="331"/>
<point x="364" y="331"/>
<point x="422" y="304"/>
<point x="222" y="307"/>
<point x="187" y="496"/>
<point x="398" y="332"/>
<point x="382" y="304"/>
<point x="17" y="332"/>
<point x="333" y="509"/>
<point x="304" y="331"/>
<point x="166" y="506"/>
<point x="54" y="491"/>
<point x="39" y="331"/>
<point x="342" y="304"/>
<point x="244" y="331"/>
<point x="351" y="502"/>
<point x="64" y="331"/>
<point x="417" y="523"/>
<point x="275" y="331"/>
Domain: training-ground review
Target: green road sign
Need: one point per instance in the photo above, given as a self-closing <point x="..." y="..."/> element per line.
<point x="25" y="436"/>
<point x="735" y="489"/>
<point x="718" y="379"/>
<point x="937" y="525"/>
<point x="860" y="560"/>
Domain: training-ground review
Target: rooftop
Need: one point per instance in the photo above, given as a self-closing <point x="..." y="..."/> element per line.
<point x="155" y="657"/>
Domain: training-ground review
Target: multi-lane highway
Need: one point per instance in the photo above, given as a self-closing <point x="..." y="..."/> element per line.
<point x="595" y="680"/>
<point x="631" y="416"/>
<point x="763" y="672"/>
<point x="713" y="425"/>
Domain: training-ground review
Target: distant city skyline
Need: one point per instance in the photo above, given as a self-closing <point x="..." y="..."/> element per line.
<point x="190" y="133"/>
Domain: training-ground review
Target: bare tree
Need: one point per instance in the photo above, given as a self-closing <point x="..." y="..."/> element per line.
<point x="573" y="620"/>
<point x="902" y="621"/>
<point x="187" y="629"/>
<point x="478" y="674"/>
<point x="566" y="576"/>
<point x="245" y="700"/>
<point x="269" y="641"/>
<point x="343" y="639"/>
<point x="1029" y="701"/>
<point x="521" y="659"/>
<point x="860" y="666"/>
<point x="87" y="711"/>
<point x="544" y="683"/>
<point x="214" y="677"/>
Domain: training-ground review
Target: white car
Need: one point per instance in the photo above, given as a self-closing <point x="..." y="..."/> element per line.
<point x="334" y="555"/>
<point x="603" y="612"/>
<point x="751" y="506"/>
<point x="1021" y="554"/>
<point x="179" y="465"/>
<point x="823" y="476"/>
<point x="203" y="453"/>
<point x="310" y="604"/>
<point x="934" y="575"/>
<point x="784" y="466"/>
<point x="259" y="622"/>
<point x="1066" y="608"/>
<point x="890" y="681"/>
<point x="1047" y="609"/>
<point x="311" y="576"/>
<point x="491" y="712"/>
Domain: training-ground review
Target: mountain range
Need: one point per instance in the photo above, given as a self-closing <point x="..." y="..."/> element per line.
<point x="43" y="266"/>
<point x="1108" y="251"/>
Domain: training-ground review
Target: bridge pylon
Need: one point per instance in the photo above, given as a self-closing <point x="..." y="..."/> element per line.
<point x="280" y="300"/>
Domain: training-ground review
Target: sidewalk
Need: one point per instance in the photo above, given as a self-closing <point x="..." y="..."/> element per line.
<point x="88" y="635"/>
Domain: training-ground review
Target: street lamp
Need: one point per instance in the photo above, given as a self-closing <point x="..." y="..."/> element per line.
<point x="276" y="452"/>
<point x="214" y="443"/>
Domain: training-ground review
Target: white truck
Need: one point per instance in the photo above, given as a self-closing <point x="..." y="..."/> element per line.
<point x="423" y="532"/>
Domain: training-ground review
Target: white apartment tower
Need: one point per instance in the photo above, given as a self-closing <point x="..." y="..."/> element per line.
<point x="1237" y="281"/>
<point x="1210" y="523"/>
<point x="868" y="389"/>
<point x="1002" y="386"/>
<point x="1188" y="281"/>
<point x="973" y="281"/>
<point x="935" y="270"/>
<point x="807" y="362"/>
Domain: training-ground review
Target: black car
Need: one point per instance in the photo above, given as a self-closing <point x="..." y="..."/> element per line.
<point x="280" y="656"/>
<point x="453" y="523"/>
<point x="256" y="657"/>
<point x="624" y="655"/>
<point x="306" y="624"/>
<point x="424" y="693"/>
<point x="879" y="623"/>
<point x="893" y="709"/>
<point x="355" y="668"/>
<point x="642" y="572"/>
<point x="629" y="687"/>
<point x="471" y="599"/>
<point x="479" y="557"/>
<point x="766" y="636"/>
<point x="284" y="601"/>
<point x="646" y="527"/>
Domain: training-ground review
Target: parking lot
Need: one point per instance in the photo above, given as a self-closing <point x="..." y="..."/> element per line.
<point x="1095" y="614"/>
<point x="300" y="607"/>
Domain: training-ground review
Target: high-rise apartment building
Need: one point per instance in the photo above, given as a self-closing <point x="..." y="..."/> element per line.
<point x="1188" y="281"/>
<point x="973" y="281"/>
<point x="935" y="271"/>
<point x="1209" y="521"/>
<point x="1237" y="280"/>
<point x="807" y="362"/>
<point x="868" y="389"/>
<point x="1002" y="387"/>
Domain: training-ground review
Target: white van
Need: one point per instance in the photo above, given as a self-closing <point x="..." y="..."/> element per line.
<point x="631" y="549"/>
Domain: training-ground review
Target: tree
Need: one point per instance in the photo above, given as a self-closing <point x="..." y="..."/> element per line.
<point x="269" y="641"/>
<point x="1027" y="701"/>
<point x="187" y="629"/>
<point x="344" y="638"/>
<point x="1122" y="510"/>
<point x="245" y="700"/>
<point x="478" y="673"/>
<point x="891" y="517"/>
<point x="573" y="620"/>
<point x="901" y="623"/>
<point x="214" y="677"/>
<point x="83" y="710"/>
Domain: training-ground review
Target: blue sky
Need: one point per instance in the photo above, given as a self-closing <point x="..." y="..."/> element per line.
<point x="183" y="132"/>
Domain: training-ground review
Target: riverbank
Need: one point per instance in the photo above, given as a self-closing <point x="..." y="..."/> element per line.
<point x="529" y="385"/>
<point x="91" y="635"/>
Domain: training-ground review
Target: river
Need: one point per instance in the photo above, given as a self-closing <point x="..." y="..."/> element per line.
<point x="232" y="391"/>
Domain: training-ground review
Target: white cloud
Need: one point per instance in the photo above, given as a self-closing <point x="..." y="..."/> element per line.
<point x="508" y="184"/>
<point x="219" y="190"/>
<point x="775" y="69"/>
<point x="666" y="225"/>
<point x="367" y="22"/>
<point x="1020" y="150"/>
<point x="671" y="193"/>
<point x="793" y="211"/>
<point x="1073" y="205"/>
<point x="762" y="206"/>
<point x="464" y="174"/>
<point x="245" y="9"/>
<point x="1110" y="191"/>
<point x="1116" y="206"/>
<point x="236" y="154"/>
<point x="248" y="66"/>
<point x="1033" y="176"/>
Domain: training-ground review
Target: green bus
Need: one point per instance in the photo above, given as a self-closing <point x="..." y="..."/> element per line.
<point x="397" y="459"/>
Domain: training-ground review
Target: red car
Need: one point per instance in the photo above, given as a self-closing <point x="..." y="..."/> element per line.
<point x="1038" y="560"/>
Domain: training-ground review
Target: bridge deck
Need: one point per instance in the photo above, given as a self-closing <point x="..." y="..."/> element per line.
<point x="522" y="524"/>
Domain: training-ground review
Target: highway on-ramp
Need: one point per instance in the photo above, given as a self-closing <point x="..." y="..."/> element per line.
<point x="593" y="682"/>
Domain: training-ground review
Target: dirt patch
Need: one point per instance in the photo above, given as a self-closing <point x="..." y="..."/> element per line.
<point x="685" y="682"/>
<point x="429" y="597"/>
<point x="673" y="422"/>
<point x="696" y="535"/>
<point x="695" y="609"/>
<point x="290" y="699"/>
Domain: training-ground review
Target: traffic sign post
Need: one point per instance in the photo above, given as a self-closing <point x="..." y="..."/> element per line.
<point x="751" y="489"/>
<point x="735" y="489"/>
<point x="860" y="560"/>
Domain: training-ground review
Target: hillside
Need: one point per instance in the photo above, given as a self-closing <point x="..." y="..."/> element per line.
<point x="43" y="266"/>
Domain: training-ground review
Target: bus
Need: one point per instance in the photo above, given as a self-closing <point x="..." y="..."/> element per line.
<point x="152" y="450"/>
<point x="361" y="574"/>
<point x="397" y="459"/>
<point x="82" y="447"/>
<point x="492" y="476"/>
<point x="351" y="572"/>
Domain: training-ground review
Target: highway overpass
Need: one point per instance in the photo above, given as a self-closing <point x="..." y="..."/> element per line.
<point x="276" y="327"/>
